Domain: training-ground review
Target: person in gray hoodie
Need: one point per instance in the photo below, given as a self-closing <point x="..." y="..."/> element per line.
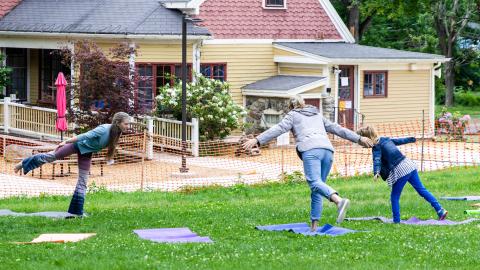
<point x="316" y="151"/>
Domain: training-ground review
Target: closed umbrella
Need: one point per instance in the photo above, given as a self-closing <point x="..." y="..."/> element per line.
<point x="61" y="123"/>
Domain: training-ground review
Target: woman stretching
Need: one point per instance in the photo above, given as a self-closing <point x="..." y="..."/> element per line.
<point x="315" y="149"/>
<point x="84" y="145"/>
<point x="397" y="170"/>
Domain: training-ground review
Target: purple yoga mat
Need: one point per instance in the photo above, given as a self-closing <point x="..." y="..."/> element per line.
<point x="416" y="221"/>
<point x="304" y="228"/>
<point x="172" y="235"/>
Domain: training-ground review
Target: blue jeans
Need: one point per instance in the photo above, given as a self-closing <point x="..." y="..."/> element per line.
<point x="317" y="164"/>
<point x="414" y="180"/>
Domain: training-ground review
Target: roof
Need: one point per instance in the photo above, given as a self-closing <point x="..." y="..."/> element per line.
<point x="7" y="5"/>
<point x="354" y="51"/>
<point x="282" y="83"/>
<point x="135" y="17"/>
<point x="247" y="19"/>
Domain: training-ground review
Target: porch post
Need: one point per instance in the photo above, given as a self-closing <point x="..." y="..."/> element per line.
<point x="6" y="114"/>
<point x="72" y="76"/>
<point x="131" y="63"/>
<point x="335" y="92"/>
<point x="196" y="60"/>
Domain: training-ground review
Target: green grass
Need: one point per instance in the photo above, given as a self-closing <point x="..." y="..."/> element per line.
<point x="473" y="111"/>
<point x="228" y="216"/>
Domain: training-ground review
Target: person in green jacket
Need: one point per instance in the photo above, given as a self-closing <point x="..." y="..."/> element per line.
<point x="84" y="145"/>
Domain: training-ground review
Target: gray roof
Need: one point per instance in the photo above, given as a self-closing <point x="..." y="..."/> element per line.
<point x="282" y="83"/>
<point x="134" y="17"/>
<point x="355" y="51"/>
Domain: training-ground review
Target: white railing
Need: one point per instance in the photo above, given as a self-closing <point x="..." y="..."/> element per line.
<point x="167" y="133"/>
<point x="37" y="121"/>
<point x="28" y="120"/>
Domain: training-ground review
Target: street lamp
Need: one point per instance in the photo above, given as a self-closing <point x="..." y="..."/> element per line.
<point x="185" y="18"/>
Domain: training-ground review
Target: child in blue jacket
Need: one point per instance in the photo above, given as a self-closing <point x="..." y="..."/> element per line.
<point x="397" y="170"/>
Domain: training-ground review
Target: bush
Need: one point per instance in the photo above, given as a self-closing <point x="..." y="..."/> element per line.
<point x="440" y="91"/>
<point x="452" y="124"/>
<point x="467" y="98"/>
<point x="208" y="100"/>
<point x="4" y="73"/>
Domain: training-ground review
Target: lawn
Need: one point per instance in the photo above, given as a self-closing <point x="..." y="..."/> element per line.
<point x="228" y="216"/>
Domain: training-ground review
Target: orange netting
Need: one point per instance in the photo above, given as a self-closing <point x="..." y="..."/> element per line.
<point x="148" y="162"/>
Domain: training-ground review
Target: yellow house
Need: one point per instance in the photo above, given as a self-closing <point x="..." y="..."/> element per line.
<point x="266" y="49"/>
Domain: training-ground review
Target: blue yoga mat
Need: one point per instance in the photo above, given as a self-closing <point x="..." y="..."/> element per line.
<point x="304" y="228"/>
<point x="462" y="198"/>
<point x="417" y="221"/>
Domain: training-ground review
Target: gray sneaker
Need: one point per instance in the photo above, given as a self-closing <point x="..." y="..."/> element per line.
<point x="342" y="209"/>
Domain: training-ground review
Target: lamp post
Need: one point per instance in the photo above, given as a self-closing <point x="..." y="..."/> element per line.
<point x="184" y="168"/>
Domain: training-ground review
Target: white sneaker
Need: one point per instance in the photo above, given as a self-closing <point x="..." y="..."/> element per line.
<point x="342" y="209"/>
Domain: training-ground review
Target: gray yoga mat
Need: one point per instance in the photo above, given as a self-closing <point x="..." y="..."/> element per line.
<point x="7" y="212"/>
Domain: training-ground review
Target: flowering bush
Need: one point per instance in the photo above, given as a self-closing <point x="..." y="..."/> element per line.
<point x="208" y="100"/>
<point x="452" y="124"/>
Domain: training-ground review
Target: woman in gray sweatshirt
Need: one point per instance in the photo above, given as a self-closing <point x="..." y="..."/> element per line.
<point x="315" y="149"/>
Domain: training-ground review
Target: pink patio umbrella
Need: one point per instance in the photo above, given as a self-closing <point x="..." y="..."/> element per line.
<point x="61" y="123"/>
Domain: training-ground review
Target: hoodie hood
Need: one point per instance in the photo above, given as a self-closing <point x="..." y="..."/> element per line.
<point x="308" y="110"/>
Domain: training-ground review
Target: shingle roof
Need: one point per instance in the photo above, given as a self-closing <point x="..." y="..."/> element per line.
<point x="282" y="83"/>
<point x="355" y="51"/>
<point x="145" y="17"/>
<point x="245" y="19"/>
<point x="7" y="5"/>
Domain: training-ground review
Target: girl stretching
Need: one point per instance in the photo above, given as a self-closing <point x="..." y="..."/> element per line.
<point x="397" y="170"/>
<point x="84" y="145"/>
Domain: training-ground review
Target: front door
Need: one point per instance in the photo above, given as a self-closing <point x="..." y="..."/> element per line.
<point x="346" y="108"/>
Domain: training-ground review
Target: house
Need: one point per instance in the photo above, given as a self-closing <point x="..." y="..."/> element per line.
<point x="266" y="49"/>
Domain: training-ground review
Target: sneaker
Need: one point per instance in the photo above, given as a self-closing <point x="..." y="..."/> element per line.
<point x="72" y="216"/>
<point x="342" y="209"/>
<point x="442" y="214"/>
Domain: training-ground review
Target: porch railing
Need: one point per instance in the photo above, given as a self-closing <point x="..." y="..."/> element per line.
<point x="165" y="134"/>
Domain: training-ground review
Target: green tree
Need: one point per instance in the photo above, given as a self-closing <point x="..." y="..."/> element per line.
<point x="4" y="73"/>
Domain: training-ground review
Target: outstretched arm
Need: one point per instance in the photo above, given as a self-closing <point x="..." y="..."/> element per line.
<point x="400" y="141"/>
<point x="284" y="126"/>
<point x="346" y="133"/>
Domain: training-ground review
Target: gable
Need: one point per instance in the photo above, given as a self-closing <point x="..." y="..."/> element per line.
<point x="247" y="19"/>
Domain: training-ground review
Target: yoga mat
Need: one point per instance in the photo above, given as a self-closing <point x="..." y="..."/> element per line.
<point x="462" y="198"/>
<point x="59" y="238"/>
<point x="416" y="221"/>
<point x="7" y="212"/>
<point x="304" y="228"/>
<point x="172" y="235"/>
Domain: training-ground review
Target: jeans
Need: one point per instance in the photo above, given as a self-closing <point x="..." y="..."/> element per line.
<point x="84" y="163"/>
<point x="414" y="180"/>
<point x="317" y="163"/>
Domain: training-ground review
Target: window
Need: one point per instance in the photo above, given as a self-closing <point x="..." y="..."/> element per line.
<point x="152" y="76"/>
<point x="214" y="71"/>
<point x="275" y="4"/>
<point x="17" y="60"/>
<point x="50" y="66"/>
<point x="375" y="84"/>
<point x="270" y="118"/>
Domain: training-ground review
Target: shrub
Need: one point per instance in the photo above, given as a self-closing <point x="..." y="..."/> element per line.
<point x="452" y="124"/>
<point x="208" y="100"/>
<point x="4" y="73"/>
<point x="467" y="98"/>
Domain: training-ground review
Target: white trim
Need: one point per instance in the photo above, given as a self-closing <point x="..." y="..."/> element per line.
<point x="131" y="64"/>
<point x="71" y="47"/>
<point x="297" y="60"/>
<point x="263" y="41"/>
<point x="337" y="21"/>
<point x="263" y="93"/>
<point x="30" y="43"/>
<point x="350" y="61"/>
<point x="326" y="73"/>
<point x="101" y="36"/>
<point x="303" y="66"/>
<point x="28" y="76"/>
<point x="335" y="93"/>
<point x="432" y="99"/>
<point x="307" y="87"/>
<point x="196" y="59"/>
<point x="191" y="7"/>
<point x="264" y="5"/>
<point x="356" y="95"/>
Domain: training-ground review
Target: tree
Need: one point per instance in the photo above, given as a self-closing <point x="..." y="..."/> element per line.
<point x="104" y="86"/>
<point x="451" y="17"/>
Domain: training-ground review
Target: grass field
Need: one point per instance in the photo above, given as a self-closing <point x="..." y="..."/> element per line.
<point x="228" y="216"/>
<point x="473" y="111"/>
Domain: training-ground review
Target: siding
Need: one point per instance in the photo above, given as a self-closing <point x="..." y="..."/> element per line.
<point x="245" y="63"/>
<point x="280" y="52"/>
<point x="408" y="95"/>
<point x="301" y="71"/>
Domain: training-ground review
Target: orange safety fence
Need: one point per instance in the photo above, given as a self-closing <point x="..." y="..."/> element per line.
<point x="150" y="162"/>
